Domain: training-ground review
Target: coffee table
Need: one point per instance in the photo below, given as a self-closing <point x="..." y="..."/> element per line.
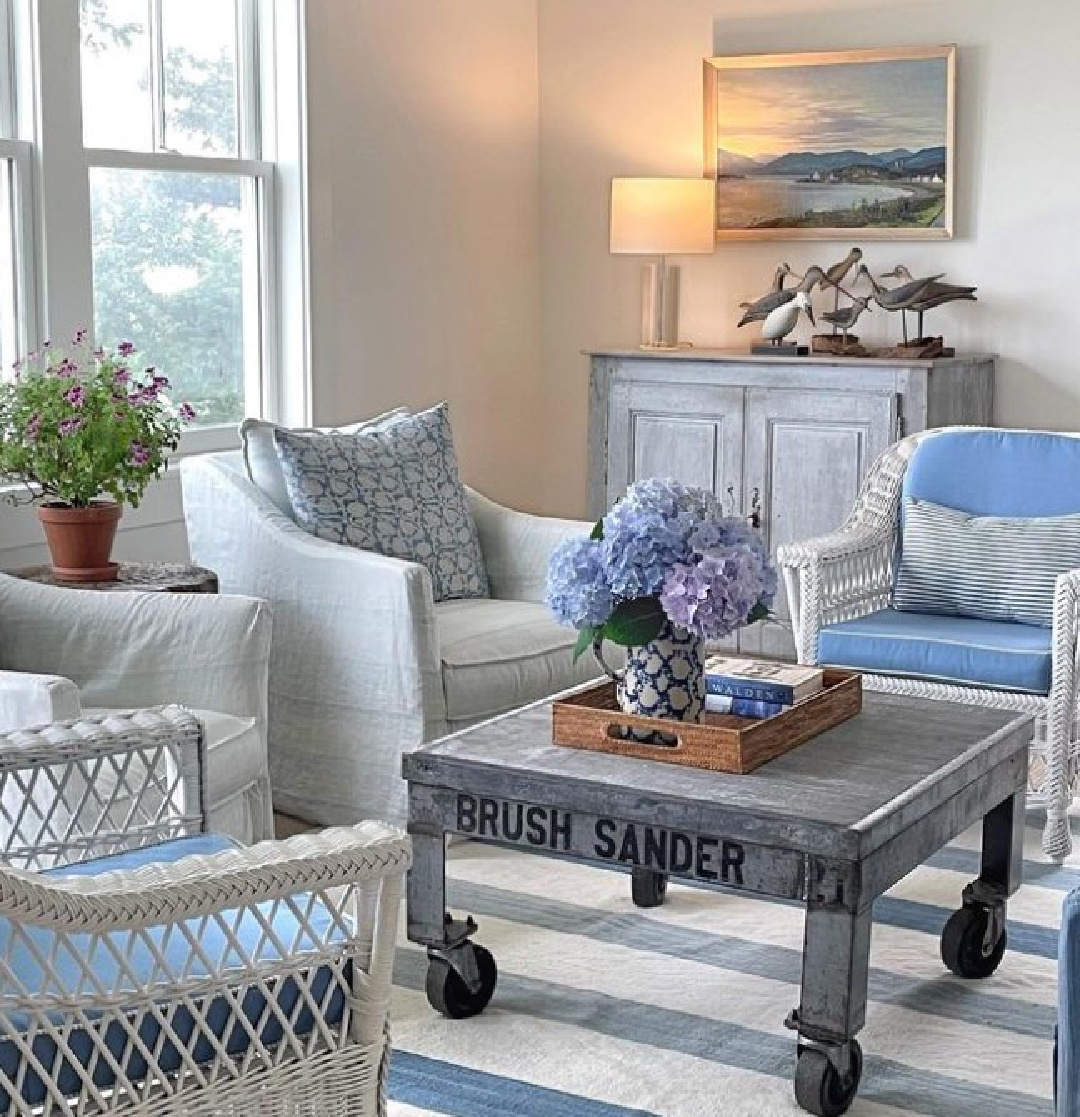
<point x="833" y="824"/>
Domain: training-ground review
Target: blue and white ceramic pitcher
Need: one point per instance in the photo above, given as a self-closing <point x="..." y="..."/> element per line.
<point x="664" y="678"/>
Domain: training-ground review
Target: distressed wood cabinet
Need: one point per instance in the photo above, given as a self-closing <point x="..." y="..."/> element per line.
<point x="785" y="441"/>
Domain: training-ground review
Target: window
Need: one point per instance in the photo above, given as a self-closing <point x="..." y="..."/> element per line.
<point x="179" y="194"/>
<point x="16" y="296"/>
<point x="152" y="187"/>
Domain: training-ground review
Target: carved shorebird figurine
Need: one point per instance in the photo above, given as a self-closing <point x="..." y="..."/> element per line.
<point x="934" y="294"/>
<point x="781" y="320"/>
<point x="844" y="319"/>
<point x="779" y="278"/>
<point x="898" y="298"/>
<point x="836" y="274"/>
<point x="760" y="309"/>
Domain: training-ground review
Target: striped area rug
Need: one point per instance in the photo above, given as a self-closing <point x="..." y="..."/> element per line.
<point x="603" y="1010"/>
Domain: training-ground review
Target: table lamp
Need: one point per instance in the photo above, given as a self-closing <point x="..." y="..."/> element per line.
<point x="662" y="217"/>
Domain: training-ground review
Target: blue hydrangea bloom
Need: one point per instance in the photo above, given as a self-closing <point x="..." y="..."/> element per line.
<point x="640" y="548"/>
<point x="577" y="590"/>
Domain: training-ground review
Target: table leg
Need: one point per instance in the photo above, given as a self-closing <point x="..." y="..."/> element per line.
<point x="974" y="939"/>
<point x="836" y="964"/>
<point x="461" y="974"/>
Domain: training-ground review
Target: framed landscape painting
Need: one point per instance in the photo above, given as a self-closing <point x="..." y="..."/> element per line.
<point x="816" y="146"/>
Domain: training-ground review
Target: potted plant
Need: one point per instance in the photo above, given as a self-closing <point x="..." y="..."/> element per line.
<point x="86" y="431"/>
<point x="661" y="573"/>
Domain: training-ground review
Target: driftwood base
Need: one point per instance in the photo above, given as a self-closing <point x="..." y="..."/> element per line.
<point x="923" y="348"/>
<point x="838" y="346"/>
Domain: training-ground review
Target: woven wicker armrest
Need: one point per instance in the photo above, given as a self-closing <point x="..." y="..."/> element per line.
<point x="171" y="892"/>
<point x="847" y="543"/>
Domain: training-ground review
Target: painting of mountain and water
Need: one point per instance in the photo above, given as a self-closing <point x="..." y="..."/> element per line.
<point x="815" y="145"/>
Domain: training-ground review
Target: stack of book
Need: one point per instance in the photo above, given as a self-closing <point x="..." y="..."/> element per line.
<point x="757" y="688"/>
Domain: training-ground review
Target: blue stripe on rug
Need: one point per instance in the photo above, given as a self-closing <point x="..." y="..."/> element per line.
<point x="948" y="998"/>
<point x="1045" y="874"/>
<point x="462" y="1092"/>
<point x="729" y="1044"/>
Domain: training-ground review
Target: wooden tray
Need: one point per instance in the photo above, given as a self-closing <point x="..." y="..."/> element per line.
<point x="720" y="742"/>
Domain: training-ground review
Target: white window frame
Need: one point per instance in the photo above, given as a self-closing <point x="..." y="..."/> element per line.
<point x="270" y="43"/>
<point x="18" y="153"/>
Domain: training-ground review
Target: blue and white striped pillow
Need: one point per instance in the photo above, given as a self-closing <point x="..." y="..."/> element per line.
<point x="991" y="567"/>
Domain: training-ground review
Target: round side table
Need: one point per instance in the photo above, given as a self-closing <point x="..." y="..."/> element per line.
<point x="159" y="577"/>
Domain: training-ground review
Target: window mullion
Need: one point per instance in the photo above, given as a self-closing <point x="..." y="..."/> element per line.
<point x="157" y="75"/>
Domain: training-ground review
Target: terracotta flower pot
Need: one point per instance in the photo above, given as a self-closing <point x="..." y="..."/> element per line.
<point x="81" y="539"/>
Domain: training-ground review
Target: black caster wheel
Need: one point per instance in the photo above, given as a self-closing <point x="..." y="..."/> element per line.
<point x="447" y="992"/>
<point x="819" y="1086"/>
<point x="648" y="887"/>
<point x="963" y="944"/>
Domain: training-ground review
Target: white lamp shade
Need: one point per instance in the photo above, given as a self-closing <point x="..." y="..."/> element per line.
<point x="663" y="216"/>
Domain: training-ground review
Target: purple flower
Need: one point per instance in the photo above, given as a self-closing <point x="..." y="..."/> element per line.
<point x="81" y="335"/>
<point x="76" y="395"/>
<point x="69" y="426"/>
<point x="125" y="348"/>
<point x="66" y="369"/>
<point x="577" y="589"/>
<point x="160" y="381"/>
<point x="187" y="412"/>
<point x="121" y="374"/>
<point x="33" y="425"/>
<point x="140" y="455"/>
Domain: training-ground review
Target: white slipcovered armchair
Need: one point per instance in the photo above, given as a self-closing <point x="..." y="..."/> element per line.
<point x="364" y="664"/>
<point x="148" y="968"/>
<point x="66" y="653"/>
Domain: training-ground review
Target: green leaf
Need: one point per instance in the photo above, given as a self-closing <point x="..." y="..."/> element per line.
<point x="759" y="612"/>
<point x="585" y="640"/>
<point x="636" y="622"/>
<point x="597" y="533"/>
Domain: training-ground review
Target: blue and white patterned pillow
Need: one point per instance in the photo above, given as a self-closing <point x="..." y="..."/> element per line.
<point x="395" y="490"/>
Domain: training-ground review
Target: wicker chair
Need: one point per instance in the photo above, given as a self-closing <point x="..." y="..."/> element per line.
<point x="147" y="967"/>
<point x="849" y="574"/>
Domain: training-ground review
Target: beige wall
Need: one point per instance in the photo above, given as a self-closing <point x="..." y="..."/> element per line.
<point x="621" y="94"/>
<point x="425" y="221"/>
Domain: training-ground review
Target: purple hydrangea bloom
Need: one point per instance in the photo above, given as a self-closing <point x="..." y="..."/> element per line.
<point x="730" y="531"/>
<point x="639" y="549"/>
<point x="577" y="589"/>
<point x="715" y="595"/>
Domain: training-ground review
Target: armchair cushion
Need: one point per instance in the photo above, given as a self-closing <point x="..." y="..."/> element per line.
<point x="960" y="650"/>
<point x="394" y="490"/>
<point x="997" y="472"/>
<point x="992" y="567"/>
<point x="68" y="977"/>
<point x="498" y="655"/>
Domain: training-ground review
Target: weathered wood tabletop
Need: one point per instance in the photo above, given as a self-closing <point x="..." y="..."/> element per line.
<point x="844" y="792"/>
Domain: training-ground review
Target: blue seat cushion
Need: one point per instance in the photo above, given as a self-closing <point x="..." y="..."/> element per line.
<point x="962" y="650"/>
<point x="220" y="1016"/>
<point x="997" y="472"/>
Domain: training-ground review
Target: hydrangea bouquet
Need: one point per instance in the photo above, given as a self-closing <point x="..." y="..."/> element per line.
<point x="85" y="422"/>
<point x="664" y="554"/>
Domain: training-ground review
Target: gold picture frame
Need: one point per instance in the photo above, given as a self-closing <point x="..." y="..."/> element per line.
<point x="832" y="144"/>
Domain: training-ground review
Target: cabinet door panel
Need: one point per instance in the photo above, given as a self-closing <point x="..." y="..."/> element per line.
<point x="806" y="454"/>
<point x="692" y="433"/>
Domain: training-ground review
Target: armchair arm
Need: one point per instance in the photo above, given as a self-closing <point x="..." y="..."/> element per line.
<point x="846" y="574"/>
<point x="76" y="789"/>
<point x="355" y="672"/>
<point x="202" y="885"/>
<point x="126" y="650"/>
<point x="517" y="547"/>
<point x="29" y="698"/>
